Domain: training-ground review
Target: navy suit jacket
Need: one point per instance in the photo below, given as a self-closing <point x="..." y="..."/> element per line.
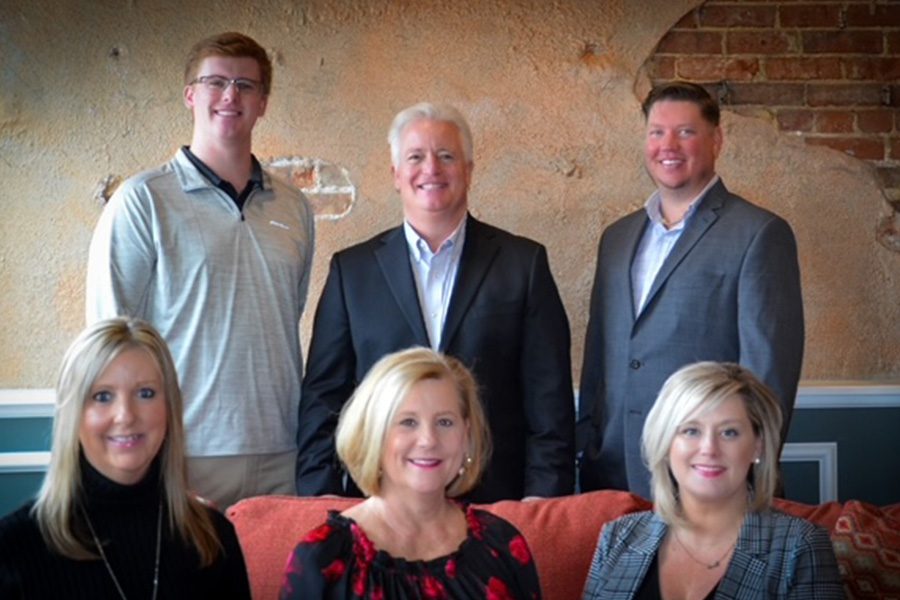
<point x="505" y="322"/>
<point x="776" y="556"/>
<point x="728" y="291"/>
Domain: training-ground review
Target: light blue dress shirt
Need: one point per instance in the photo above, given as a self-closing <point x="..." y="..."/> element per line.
<point x="655" y="246"/>
<point x="434" y="273"/>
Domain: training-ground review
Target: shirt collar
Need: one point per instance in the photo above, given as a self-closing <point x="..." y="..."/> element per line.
<point x="256" y="172"/>
<point x="419" y="248"/>
<point x="652" y="206"/>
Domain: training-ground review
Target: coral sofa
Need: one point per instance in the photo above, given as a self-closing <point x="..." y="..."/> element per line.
<point x="562" y="533"/>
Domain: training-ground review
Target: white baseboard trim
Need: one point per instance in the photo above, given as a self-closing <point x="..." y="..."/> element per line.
<point x="37" y="402"/>
<point x="848" y="395"/>
<point x="26" y="403"/>
<point x="23" y="462"/>
<point x="825" y="454"/>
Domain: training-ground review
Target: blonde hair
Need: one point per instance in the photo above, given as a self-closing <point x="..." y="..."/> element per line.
<point x="366" y="417"/>
<point x="704" y="386"/>
<point x="56" y="507"/>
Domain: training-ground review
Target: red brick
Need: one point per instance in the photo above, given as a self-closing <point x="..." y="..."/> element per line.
<point x="690" y="42"/>
<point x="714" y="68"/>
<point x="833" y="121"/>
<point x="795" y="120"/>
<point x="878" y="69"/>
<point x="890" y="96"/>
<point x="895" y="148"/>
<point x="864" y="148"/>
<point x="889" y="176"/>
<point x="875" y="121"/>
<point x="661" y="67"/>
<point x="736" y="15"/>
<point x="802" y="68"/>
<point x="688" y="21"/>
<point x="846" y="42"/>
<point x="873" y="15"/>
<point x="844" y="95"/>
<point x="810" y="15"/>
<point x="767" y="94"/>
<point x="760" y="42"/>
<point x="892" y="39"/>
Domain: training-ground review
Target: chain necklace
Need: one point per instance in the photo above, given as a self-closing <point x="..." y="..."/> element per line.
<point x="711" y="565"/>
<point x="109" y="567"/>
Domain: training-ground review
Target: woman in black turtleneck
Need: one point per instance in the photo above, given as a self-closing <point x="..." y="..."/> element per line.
<point x="113" y="518"/>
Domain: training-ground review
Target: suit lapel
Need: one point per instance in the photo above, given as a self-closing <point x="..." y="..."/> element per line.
<point x="706" y="215"/>
<point x="478" y="253"/>
<point x="632" y="238"/>
<point x="747" y="572"/>
<point x="393" y="259"/>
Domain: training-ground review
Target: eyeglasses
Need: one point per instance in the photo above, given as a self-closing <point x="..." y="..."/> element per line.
<point x="216" y="84"/>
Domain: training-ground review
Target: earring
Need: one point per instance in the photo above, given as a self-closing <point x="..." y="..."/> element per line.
<point x="756" y="461"/>
<point x="466" y="464"/>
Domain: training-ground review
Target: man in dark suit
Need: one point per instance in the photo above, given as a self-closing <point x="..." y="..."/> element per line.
<point x="697" y="274"/>
<point x="446" y="280"/>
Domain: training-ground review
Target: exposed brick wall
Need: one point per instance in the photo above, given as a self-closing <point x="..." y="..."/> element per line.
<point x="828" y="71"/>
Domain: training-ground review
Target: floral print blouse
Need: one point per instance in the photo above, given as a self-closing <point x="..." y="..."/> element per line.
<point x="337" y="561"/>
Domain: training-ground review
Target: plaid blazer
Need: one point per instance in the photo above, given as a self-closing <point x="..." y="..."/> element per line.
<point x="776" y="556"/>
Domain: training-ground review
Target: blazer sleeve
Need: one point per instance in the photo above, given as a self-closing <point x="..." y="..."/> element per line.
<point x="770" y="312"/>
<point x="329" y="382"/>
<point x="546" y="372"/>
<point x="596" y="577"/>
<point x="591" y="370"/>
<point x="815" y="574"/>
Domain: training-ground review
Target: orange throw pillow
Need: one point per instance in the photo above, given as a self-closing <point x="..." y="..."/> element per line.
<point x="866" y="542"/>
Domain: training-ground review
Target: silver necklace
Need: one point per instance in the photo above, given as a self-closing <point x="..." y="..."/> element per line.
<point x="711" y="565"/>
<point x="106" y="562"/>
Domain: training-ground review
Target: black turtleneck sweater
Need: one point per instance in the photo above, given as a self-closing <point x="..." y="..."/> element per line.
<point x="124" y="518"/>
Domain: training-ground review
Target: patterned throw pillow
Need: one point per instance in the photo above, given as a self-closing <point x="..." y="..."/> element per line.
<point x="866" y="542"/>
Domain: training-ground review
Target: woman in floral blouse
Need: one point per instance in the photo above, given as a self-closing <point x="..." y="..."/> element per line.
<point x="413" y="437"/>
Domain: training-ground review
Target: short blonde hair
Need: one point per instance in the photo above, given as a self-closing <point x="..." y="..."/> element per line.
<point x="704" y="386"/>
<point x="366" y="417"/>
<point x="85" y="360"/>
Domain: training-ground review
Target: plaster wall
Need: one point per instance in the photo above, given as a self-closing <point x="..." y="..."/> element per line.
<point x="91" y="93"/>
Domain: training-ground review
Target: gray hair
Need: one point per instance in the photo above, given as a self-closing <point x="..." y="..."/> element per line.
<point x="431" y="112"/>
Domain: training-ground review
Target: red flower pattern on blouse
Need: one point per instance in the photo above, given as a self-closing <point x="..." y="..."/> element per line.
<point x="475" y="524"/>
<point x="335" y="570"/>
<point x="432" y="588"/>
<point x="317" y="535"/>
<point x="364" y="550"/>
<point x="450" y="568"/>
<point x="497" y="590"/>
<point x="519" y="550"/>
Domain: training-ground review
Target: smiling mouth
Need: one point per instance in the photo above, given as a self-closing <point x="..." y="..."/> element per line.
<point x="125" y="441"/>
<point x="425" y="462"/>
<point x="708" y="471"/>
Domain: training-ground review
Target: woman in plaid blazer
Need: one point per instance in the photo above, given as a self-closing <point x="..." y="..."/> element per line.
<point x="711" y="442"/>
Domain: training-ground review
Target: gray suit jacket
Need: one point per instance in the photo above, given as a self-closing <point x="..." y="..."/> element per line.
<point x="776" y="556"/>
<point x="729" y="291"/>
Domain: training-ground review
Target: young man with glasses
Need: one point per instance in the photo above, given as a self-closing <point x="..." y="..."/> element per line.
<point x="216" y="254"/>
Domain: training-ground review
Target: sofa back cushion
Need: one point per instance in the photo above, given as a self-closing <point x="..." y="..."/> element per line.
<point x="561" y="533"/>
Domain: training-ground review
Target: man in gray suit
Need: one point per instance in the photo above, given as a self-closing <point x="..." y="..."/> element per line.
<point x="697" y="274"/>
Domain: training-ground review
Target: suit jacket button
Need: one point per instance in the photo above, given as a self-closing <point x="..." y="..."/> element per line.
<point x="635" y="364"/>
